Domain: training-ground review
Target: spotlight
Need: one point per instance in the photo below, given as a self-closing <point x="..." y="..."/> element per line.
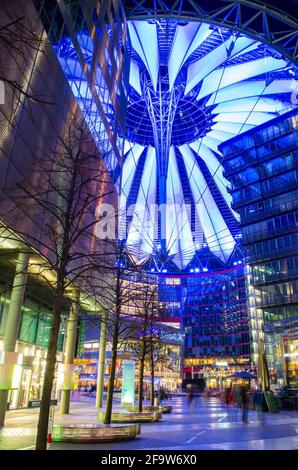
<point x="205" y="270"/>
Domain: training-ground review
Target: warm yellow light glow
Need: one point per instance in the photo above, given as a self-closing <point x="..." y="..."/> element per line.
<point x="16" y="378"/>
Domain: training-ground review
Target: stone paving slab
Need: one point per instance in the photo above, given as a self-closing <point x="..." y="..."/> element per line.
<point x="207" y="424"/>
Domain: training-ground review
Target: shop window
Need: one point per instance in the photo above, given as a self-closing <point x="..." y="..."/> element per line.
<point x="28" y="326"/>
<point x="43" y="331"/>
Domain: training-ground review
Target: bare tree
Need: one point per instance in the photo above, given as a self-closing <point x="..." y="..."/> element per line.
<point x="118" y="293"/>
<point x="21" y="40"/>
<point x="60" y="193"/>
<point x="156" y="352"/>
<point x="146" y="307"/>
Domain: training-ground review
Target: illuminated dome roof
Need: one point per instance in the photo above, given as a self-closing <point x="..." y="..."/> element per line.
<point x="192" y="86"/>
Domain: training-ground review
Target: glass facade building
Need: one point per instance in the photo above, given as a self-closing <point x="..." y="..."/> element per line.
<point x="262" y="168"/>
<point x="191" y="116"/>
<point x="212" y="308"/>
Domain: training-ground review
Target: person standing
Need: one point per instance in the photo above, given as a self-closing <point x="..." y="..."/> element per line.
<point x="190" y="397"/>
<point x="244" y="403"/>
<point x="258" y="403"/>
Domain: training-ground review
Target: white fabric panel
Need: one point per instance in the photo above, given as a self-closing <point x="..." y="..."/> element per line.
<point x="178" y="232"/>
<point x="145" y="42"/>
<point x="127" y="146"/>
<point x="141" y="230"/>
<point x="211" y="143"/>
<point x="211" y="161"/>
<point x="218" y="236"/>
<point x="203" y="67"/>
<point x="128" y="171"/>
<point x="216" y="171"/>
<point x="265" y="105"/>
<point x="248" y="49"/>
<point x="134" y="77"/>
<point x="224" y="77"/>
<point x="232" y="127"/>
<point x="250" y="88"/>
<point x="129" y="167"/>
<point x="220" y="135"/>
<point x="247" y="118"/>
<point x="187" y="39"/>
<point x="203" y="33"/>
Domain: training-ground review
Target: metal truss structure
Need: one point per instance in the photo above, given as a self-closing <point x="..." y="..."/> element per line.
<point x="196" y="74"/>
<point x="257" y="20"/>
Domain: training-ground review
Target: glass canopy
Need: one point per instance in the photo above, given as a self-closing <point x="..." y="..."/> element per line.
<point x="191" y="87"/>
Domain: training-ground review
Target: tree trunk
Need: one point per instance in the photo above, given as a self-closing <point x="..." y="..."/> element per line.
<point x="141" y="381"/>
<point x="109" y="402"/>
<point x="152" y="379"/>
<point x="43" y="421"/>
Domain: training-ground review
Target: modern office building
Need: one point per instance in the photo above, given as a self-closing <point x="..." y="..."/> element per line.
<point x="159" y="87"/>
<point x="262" y="168"/>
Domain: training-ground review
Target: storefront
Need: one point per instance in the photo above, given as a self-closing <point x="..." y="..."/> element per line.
<point x="167" y="368"/>
<point x="282" y="354"/>
<point x="213" y="372"/>
<point x="28" y="375"/>
<point x="34" y="330"/>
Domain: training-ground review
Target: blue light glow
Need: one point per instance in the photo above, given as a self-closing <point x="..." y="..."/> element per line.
<point x="222" y="84"/>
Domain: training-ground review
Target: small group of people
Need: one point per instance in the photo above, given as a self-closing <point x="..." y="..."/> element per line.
<point x="88" y="388"/>
<point x="163" y="394"/>
<point x="247" y="398"/>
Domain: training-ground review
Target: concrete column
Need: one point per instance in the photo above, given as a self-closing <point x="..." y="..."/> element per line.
<point x="13" y="319"/>
<point x="71" y="336"/>
<point x="101" y="360"/>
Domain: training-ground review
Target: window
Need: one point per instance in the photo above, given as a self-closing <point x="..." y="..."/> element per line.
<point x="43" y="330"/>
<point x="28" y="325"/>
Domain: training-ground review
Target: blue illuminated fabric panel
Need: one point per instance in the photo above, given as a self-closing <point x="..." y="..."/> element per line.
<point x="191" y="87"/>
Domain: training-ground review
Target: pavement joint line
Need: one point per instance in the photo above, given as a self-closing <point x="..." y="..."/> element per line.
<point x="194" y="437"/>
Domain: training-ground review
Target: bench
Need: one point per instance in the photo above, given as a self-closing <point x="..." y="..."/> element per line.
<point x="94" y="432"/>
<point x="133" y="417"/>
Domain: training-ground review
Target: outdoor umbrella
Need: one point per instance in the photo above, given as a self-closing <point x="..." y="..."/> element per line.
<point x="263" y="371"/>
<point x="242" y="375"/>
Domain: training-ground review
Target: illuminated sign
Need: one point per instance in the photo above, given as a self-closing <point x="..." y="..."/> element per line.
<point x="128" y="382"/>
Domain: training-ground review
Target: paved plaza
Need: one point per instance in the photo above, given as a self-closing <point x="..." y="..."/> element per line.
<point x="206" y="424"/>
